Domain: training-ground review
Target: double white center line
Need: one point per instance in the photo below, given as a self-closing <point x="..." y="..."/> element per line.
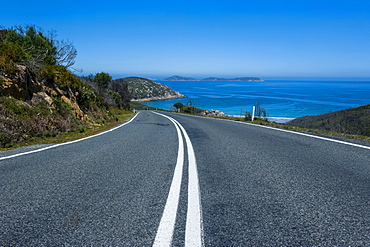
<point x="194" y="224"/>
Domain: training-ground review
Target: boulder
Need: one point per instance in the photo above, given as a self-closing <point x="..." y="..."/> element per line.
<point x="213" y="113"/>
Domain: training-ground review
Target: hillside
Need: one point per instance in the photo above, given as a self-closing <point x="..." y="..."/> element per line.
<point x="33" y="106"/>
<point x="355" y="121"/>
<point x="39" y="96"/>
<point x="142" y="89"/>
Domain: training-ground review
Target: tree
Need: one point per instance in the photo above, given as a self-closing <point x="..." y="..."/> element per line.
<point x="102" y="80"/>
<point x="3" y="33"/>
<point x="27" y="45"/>
<point x="121" y="87"/>
<point x="65" y="53"/>
<point x="179" y="106"/>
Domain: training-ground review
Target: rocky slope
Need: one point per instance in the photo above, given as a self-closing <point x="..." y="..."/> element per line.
<point x="26" y="86"/>
<point x="45" y="105"/>
<point x="142" y="89"/>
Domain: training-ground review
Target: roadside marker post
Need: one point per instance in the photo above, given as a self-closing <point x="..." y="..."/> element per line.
<point x="253" y="110"/>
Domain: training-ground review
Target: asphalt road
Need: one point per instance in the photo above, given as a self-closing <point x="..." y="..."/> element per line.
<point x="235" y="185"/>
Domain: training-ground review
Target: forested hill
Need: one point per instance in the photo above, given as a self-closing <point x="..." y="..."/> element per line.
<point x="142" y="89"/>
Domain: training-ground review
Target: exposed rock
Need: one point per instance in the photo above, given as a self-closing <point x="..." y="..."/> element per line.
<point x="22" y="85"/>
<point x="176" y="95"/>
<point x="25" y="86"/>
<point x="41" y="97"/>
<point x="213" y="113"/>
<point x="72" y="102"/>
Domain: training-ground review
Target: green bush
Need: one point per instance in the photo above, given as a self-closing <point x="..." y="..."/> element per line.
<point x="61" y="77"/>
<point x="179" y="106"/>
<point x="248" y="116"/>
<point x="99" y="121"/>
<point x="16" y="107"/>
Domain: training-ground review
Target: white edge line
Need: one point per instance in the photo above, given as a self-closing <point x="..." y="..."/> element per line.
<point x="308" y="135"/>
<point x="167" y="224"/>
<point x="288" y="131"/>
<point x="66" y="143"/>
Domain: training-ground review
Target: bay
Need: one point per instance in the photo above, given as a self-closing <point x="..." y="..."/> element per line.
<point x="282" y="99"/>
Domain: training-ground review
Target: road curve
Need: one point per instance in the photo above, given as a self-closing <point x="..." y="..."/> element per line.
<point x="257" y="187"/>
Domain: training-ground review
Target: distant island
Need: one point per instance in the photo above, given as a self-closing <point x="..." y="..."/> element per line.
<point x="179" y="78"/>
<point x="182" y="78"/>
<point x="233" y="79"/>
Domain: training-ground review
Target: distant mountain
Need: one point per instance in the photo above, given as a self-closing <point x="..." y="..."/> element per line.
<point x="247" y="79"/>
<point x="182" y="78"/>
<point x="179" y="78"/>
<point x="214" y="79"/>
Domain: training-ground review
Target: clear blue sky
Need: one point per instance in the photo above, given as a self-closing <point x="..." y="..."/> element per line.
<point x="265" y="38"/>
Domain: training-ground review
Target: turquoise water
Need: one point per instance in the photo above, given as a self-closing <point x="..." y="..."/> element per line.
<point x="280" y="98"/>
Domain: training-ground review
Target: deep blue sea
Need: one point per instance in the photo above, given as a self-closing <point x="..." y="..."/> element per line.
<point x="280" y="98"/>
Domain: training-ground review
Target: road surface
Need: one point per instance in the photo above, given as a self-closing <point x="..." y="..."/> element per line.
<point x="169" y="179"/>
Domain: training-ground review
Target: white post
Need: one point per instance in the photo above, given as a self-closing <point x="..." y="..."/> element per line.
<point x="254" y="108"/>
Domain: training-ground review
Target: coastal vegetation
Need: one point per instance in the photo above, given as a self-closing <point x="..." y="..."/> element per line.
<point x="42" y="100"/>
<point x="39" y="95"/>
<point x="188" y="108"/>
<point x="354" y="121"/>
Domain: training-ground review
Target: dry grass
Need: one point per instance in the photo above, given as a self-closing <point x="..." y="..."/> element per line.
<point x="121" y="117"/>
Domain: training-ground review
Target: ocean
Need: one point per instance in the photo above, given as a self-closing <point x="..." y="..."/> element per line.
<point x="283" y="100"/>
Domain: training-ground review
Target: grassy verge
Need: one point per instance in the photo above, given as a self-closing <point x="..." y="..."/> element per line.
<point x="120" y="116"/>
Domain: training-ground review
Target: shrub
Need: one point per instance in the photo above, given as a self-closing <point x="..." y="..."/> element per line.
<point x="179" y="106"/>
<point x="62" y="107"/>
<point x="248" y="116"/>
<point x="30" y="47"/>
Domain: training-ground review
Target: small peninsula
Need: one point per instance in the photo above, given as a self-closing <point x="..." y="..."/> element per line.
<point x="143" y="89"/>
<point x="182" y="78"/>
